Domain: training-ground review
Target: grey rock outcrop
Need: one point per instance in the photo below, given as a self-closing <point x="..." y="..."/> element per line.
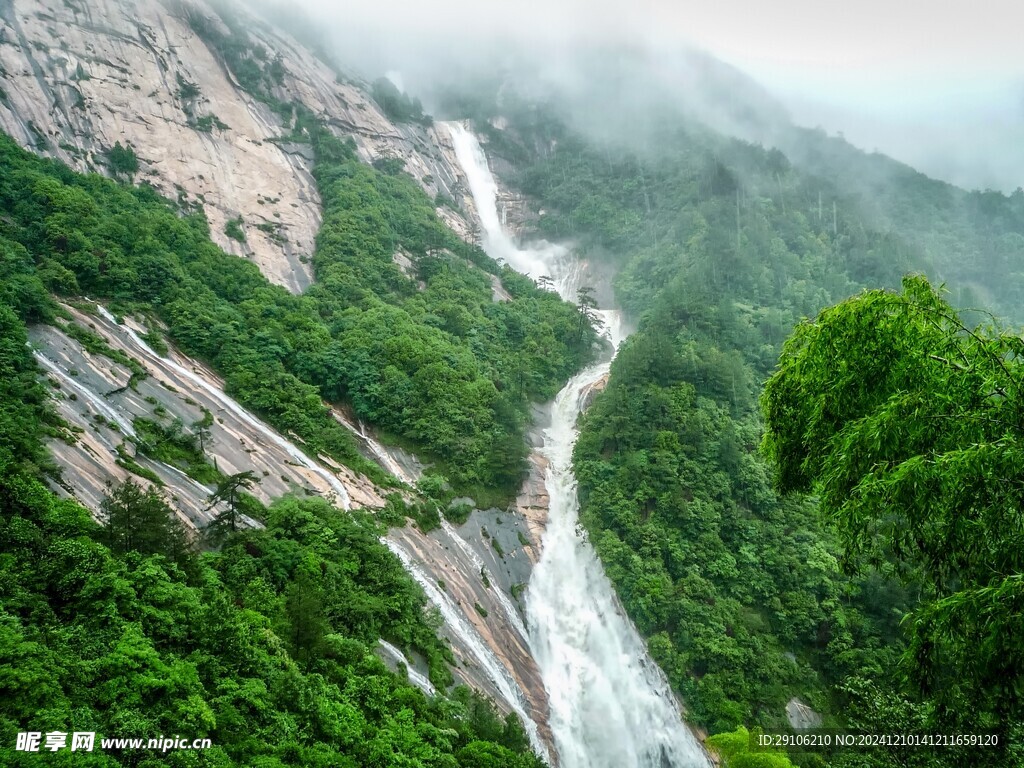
<point x="92" y="395"/>
<point x="800" y="716"/>
<point x="77" y="78"/>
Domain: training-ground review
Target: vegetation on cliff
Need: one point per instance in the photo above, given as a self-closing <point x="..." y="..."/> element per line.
<point x="748" y="597"/>
<point x="265" y="647"/>
<point x="430" y="357"/>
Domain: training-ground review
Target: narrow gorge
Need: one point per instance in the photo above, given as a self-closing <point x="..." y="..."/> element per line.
<point x="610" y="705"/>
<point x="374" y="393"/>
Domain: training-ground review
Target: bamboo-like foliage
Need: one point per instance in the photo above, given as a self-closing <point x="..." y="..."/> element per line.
<point x="909" y="425"/>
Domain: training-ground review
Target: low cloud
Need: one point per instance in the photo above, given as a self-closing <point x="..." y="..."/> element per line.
<point x="938" y="86"/>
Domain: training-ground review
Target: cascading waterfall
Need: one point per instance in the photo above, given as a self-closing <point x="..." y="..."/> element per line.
<point x="226" y="402"/>
<point x="96" y="402"/>
<point x="610" y="705"/>
<point x="416" y="677"/>
<point x="384" y="457"/>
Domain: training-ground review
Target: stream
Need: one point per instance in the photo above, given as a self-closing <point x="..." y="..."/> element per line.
<point x="610" y="704"/>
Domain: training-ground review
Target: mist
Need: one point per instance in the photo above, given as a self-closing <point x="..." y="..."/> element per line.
<point x="939" y="88"/>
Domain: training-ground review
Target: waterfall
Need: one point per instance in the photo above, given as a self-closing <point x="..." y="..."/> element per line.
<point x="228" y="403"/>
<point x="610" y="704"/>
<point x="471" y="640"/>
<point x="416" y="677"/>
<point x="384" y="457"/>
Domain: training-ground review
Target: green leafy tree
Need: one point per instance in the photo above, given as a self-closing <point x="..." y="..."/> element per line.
<point x="23" y="401"/>
<point x="397" y="105"/>
<point x="235" y="229"/>
<point x="304" y="610"/>
<point x="122" y="160"/>
<point x="586" y="306"/>
<point x="739" y="749"/>
<point x="909" y="424"/>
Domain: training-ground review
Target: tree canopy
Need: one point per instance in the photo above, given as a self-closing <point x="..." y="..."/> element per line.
<point x="429" y="357"/>
<point x="909" y="426"/>
<point x="747" y="594"/>
<point x="266" y="646"/>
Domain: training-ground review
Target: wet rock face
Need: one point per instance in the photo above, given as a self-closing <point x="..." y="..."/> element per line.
<point x="517" y="213"/>
<point x="78" y="77"/>
<point x="477" y="578"/>
<point x="92" y="395"/>
<point x="483" y="573"/>
<point x="801" y="717"/>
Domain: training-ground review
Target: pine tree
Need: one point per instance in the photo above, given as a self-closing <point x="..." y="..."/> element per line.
<point x="307" y="620"/>
<point x="139" y="520"/>
<point x="202" y="429"/>
<point x="586" y="305"/>
<point x="229" y="492"/>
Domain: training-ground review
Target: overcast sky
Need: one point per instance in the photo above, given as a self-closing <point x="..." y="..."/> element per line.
<point x="937" y="84"/>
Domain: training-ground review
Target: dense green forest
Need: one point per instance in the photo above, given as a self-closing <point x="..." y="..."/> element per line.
<point x="907" y="423"/>
<point x="972" y="241"/>
<point x="266" y="646"/>
<point x="749" y="596"/>
<point x="849" y="535"/>
<point x="442" y="367"/>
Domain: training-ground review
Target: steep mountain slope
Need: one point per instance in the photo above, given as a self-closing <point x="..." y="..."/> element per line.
<point x="109" y="408"/>
<point x="231" y="121"/>
<point x="76" y="79"/>
<point x="721" y="247"/>
<point x="106" y="408"/>
<point x="360" y="298"/>
<point x="125" y="411"/>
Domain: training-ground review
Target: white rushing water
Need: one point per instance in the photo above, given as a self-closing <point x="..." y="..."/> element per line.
<point x="385" y="458"/>
<point x="228" y="403"/>
<point x="610" y="705"/>
<point x="511" y="614"/>
<point x="95" y="401"/>
<point x="416" y="677"/>
<point x="471" y="640"/>
<point x="542" y="259"/>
